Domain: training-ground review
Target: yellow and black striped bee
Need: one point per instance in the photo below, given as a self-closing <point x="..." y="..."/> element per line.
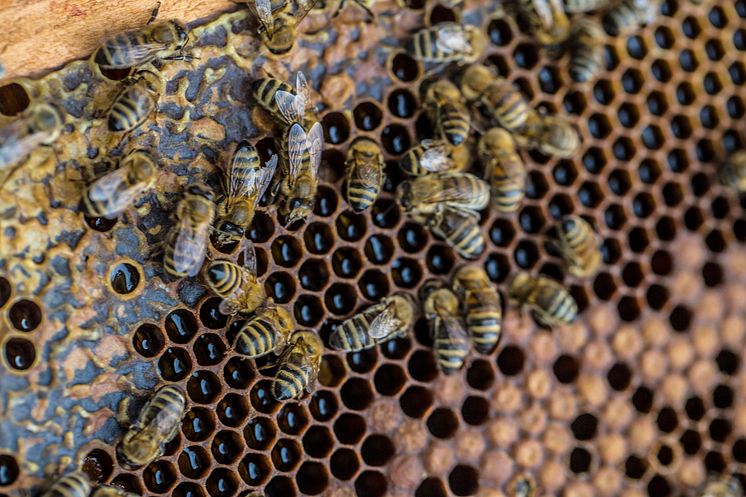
<point x="187" y="241"/>
<point x="575" y="6"/>
<point x="447" y="42"/>
<point x="523" y="486"/>
<point x="75" y="484"/>
<point x="722" y="487"/>
<point x="364" y="173"/>
<point x="587" y="50"/>
<point x="298" y="365"/>
<point x="430" y="193"/>
<point x="390" y="318"/>
<point x="41" y="125"/>
<point x="482" y="306"/>
<point x="136" y="101"/>
<point x="114" y="192"/>
<point x="158" y="424"/>
<point x="551" y="135"/>
<point x="579" y="246"/>
<point x="447" y="110"/>
<point x="475" y="79"/>
<point x="546" y="19"/>
<point x="628" y="15"/>
<point x="450" y="341"/>
<point x="109" y="491"/>
<point x="429" y="156"/>
<point x="164" y="41"/>
<point x="266" y="332"/>
<point x="266" y="90"/>
<point x="459" y="228"/>
<point x="238" y="286"/>
<point x="732" y="172"/>
<point x="504" y="168"/>
<point x="301" y="157"/>
<point x="280" y="22"/>
<point x="550" y="303"/>
<point x="505" y="105"/>
<point x="243" y="186"/>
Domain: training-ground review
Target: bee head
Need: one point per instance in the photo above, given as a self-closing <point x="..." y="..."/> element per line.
<point x="171" y="33"/>
<point x="568" y="224"/>
<point x="240" y="214"/>
<point x="300" y="208"/>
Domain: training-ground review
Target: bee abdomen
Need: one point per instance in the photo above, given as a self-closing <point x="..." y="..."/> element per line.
<point x="168" y="401"/>
<point x="291" y="379"/>
<point x="510" y="109"/>
<point x="485" y="327"/>
<point x="72" y="485"/>
<point x="91" y="208"/>
<point x="450" y="353"/>
<point x="224" y="277"/>
<point x="561" y="309"/>
<point x="113" y="53"/>
<point x="454" y="123"/>
<point x="265" y="90"/>
<point x="352" y="335"/>
<point x="508" y="188"/>
<point x="361" y="195"/>
<point x="256" y="338"/>
<point x="130" y="110"/>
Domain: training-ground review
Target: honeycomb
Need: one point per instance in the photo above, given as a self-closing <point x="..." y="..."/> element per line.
<point x="643" y="395"/>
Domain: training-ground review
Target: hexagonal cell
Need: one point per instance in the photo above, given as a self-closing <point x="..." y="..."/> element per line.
<point x="599" y="126"/>
<point x="657" y="103"/>
<point x="619" y="376"/>
<point x="148" y="340"/>
<point x="349" y="428"/>
<point x="510" y="361"/>
<point x="407" y="272"/>
<point x="628" y="309"/>
<point x="575" y="103"/>
<point x="280" y="286"/>
<point x="159" y="477"/>
<point x="688" y="60"/>
<point x="326" y="201"/>
<point x="691" y="27"/>
<point x="174" y="364"/>
<point x="463" y="480"/>
<point x="657" y="296"/>
<point x="181" y="326"/>
<point x="286" y="454"/>
<point x="632" y="81"/>
<point x="526" y="55"/>
<point x="313" y="274"/>
<point x="127" y="482"/>
<point x="262" y="398"/>
<point x="620" y="182"/>
<point x="638" y="239"/>
<point x="737" y="73"/>
<point x="590" y="194"/>
<point x="560" y="205"/>
<point x="652" y="137"/>
<point x="368" y="115"/>
<point x="209" y="349"/>
<point x="402" y="103"/>
<point x="336" y="128"/>
<point x="395" y="139"/>
<point x="649" y="171"/>
<point x="603" y="92"/>
<point x="475" y="410"/>
<point x="604" y="286"/>
<point x="259" y="433"/>
<point x="499" y="32"/>
<point x="661" y="71"/>
<point x="210" y="315"/>
<point x="536" y="185"/>
<point x="363" y="361"/>
<point x="318" y="238"/>
<point x="194" y="462"/>
<point x="222" y="483"/>
<point x="531" y="219"/>
<point x="186" y="489"/>
<point x="412" y="237"/>
<point x="550" y="80"/>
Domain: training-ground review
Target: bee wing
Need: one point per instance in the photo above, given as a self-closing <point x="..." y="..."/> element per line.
<point x="268" y="172"/>
<point x="141" y="51"/>
<point x="291" y="106"/>
<point x="190" y="244"/>
<point x="315" y="143"/>
<point x="543" y="11"/>
<point x="304" y="7"/>
<point x="244" y="184"/>
<point x="303" y="90"/>
<point x="103" y="189"/>
<point x="249" y="258"/>
<point x="452" y="38"/>
<point x="367" y="171"/>
<point x="436" y="157"/>
<point x="264" y="13"/>
<point x="454" y="327"/>
<point x="385" y="323"/>
<point x="297" y="143"/>
<point x="15" y="142"/>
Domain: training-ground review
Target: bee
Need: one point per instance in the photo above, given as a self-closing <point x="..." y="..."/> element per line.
<point x="264" y="333"/>
<point x="549" y="302"/>
<point x="40" y="125"/>
<point x="732" y="172"/>
<point x="628" y="15"/>
<point x="575" y="6"/>
<point x="390" y="318"/>
<point x="429" y="156"/>
<point x="475" y="80"/>
<point x="136" y="101"/>
<point x="158" y="424"/>
<point x="586" y="56"/>
<point x="579" y="246"/>
<point x="109" y="491"/>
<point x="427" y="194"/>
<point x="450" y="342"/>
<point x="447" y="42"/>
<point x="114" y="192"/>
<point x="160" y="41"/>
<point x="75" y="484"/>
<point x="482" y="304"/>
<point x="523" y="486"/>
<point x="723" y="487"/>
<point x="244" y="185"/>
<point x="279" y="22"/>
<point x="298" y="365"/>
<point x="445" y="105"/>
<point x="187" y="242"/>
<point x="459" y="228"/>
<point x="505" y="105"/>
<point x="366" y="5"/>
<point x="551" y="135"/>
<point x="238" y="286"/>
<point x="301" y="157"/>
<point x="364" y="173"/>
<point x="546" y="19"/>
<point x="266" y="91"/>
<point x="505" y="168"/>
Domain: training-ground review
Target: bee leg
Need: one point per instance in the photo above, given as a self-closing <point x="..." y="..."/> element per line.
<point x="371" y="15"/>
<point x="339" y="8"/>
<point x="154" y="13"/>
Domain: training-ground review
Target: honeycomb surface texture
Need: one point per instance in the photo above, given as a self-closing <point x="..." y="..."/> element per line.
<point x="644" y="395"/>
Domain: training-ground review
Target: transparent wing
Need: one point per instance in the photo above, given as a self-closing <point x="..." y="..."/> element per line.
<point x="315" y="144"/>
<point x="303" y="91"/>
<point x="105" y="187"/>
<point x="288" y="105"/>
<point x="139" y="52"/>
<point x="385" y="323"/>
<point x="264" y="13"/>
<point x="452" y="38"/>
<point x="304" y="7"/>
<point x="543" y="11"/>
<point x="15" y="142"/>
<point x="268" y="172"/>
<point x="297" y="144"/>
<point x="190" y="244"/>
<point x="367" y="172"/>
<point x="454" y="327"/>
<point x="243" y="185"/>
<point x="249" y="258"/>
<point x="436" y="157"/>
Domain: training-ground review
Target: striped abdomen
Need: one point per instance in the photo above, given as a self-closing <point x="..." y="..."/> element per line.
<point x="551" y="304"/>
<point x="167" y="405"/>
<point x="629" y="14"/>
<point x="256" y="338"/>
<point x="352" y="334"/>
<point x="450" y="351"/>
<point x="573" y="6"/>
<point x="506" y="105"/>
<point x="483" y="318"/>
<point x="454" y="123"/>
<point x="586" y="57"/>
<point x="131" y="107"/>
<point x="508" y="182"/>
<point x="292" y="377"/>
<point x="456" y="185"/>
<point x="579" y="246"/>
<point x="264" y="91"/>
<point x="363" y="189"/>
<point x="462" y="232"/>
<point x="224" y="277"/>
<point x="117" y="51"/>
<point x="173" y="261"/>
<point x="75" y="484"/>
<point x="424" y="46"/>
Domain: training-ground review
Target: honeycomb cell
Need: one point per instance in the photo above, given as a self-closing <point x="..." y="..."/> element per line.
<point x="422" y="366"/>
<point x="232" y="410"/>
<point x="127" y="482"/>
<point x="259" y="433"/>
<point x="292" y="419"/>
<point x="356" y="394"/>
<point x="261" y="228"/>
<point x="550" y="80"/>
<point x="385" y="213"/>
<point x="499" y="32"/>
<point x="367" y="115"/>
<point x="566" y="368"/>
<point x="148" y="340"/>
<point x="406" y="272"/>
<point x="332" y="370"/>
<point x="502" y="233"/>
<point x="395" y="139"/>
<point x="442" y="423"/>
<point x="209" y="349"/>
<point x="14" y="99"/>
<point x="475" y="410"/>
<point x="620" y="182"/>
<point x="159" y="477"/>
<point x="661" y="71"/>
<point x="536" y="185"/>
<point x="728" y="362"/>
<point x="318" y="441"/>
<point x="238" y="373"/>
<point x="526" y="55"/>
<point x="351" y="226"/>
<point x="636" y="47"/>
<point x="389" y="379"/>
<point x="635" y="467"/>
<point x="280" y="286"/>
<point x="340" y="299"/>
<point x="404" y="67"/>
<point x="377" y="450"/>
<point x="379" y="249"/>
<point x="402" y="103"/>
<point x="531" y="219"/>
<point x="100" y="223"/>
<point x="313" y="274"/>
<point x="439" y="259"/>
<point x="480" y="374"/>
<point x="222" y="483"/>
<point x="203" y="387"/>
<point x="124" y="278"/>
<point x="590" y="194"/>
<point x="615" y="217"/>
<point x="186" y="489"/>
<point x="198" y="424"/>
<point x="363" y="361"/>
<point x="24" y="314"/>
<point x="416" y="401"/>
<point x="286" y="454"/>
<point x="346" y="262"/>
<point x="344" y="464"/>
<point x="657" y="103"/>
<point x="210" y="315"/>
<point x="318" y="238"/>
<point x="463" y="480"/>
<point x="312" y="478"/>
<point x="262" y="398"/>
<point x="632" y="81"/>
<point x="397" y="348"/>
<point x="511" y="360"/>
<point x="326" y="201"/>
<point x="371" y="484"/>
<point x="526" y="254"/>
<point x="323" y="405"/>
<point x="412" y="237"/>
<point x="603" y="92"/>
<point x="286" y="251"/>
<point x="657" y="296"/>
<point x="580" y="460"/>
<point x="722" y="397"/>
<point x="336" y="128"/>
<point x="194" y="462"/>
<point x="652" y="137"/>
<point x="97" y="464"/>
<point x="349" y="428"/>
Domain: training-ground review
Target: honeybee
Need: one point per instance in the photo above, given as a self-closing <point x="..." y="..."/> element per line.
<point x="575" y="6"/>
<point x="430" y="193"/>
<point x="579" y="246"/>
<point x="723" y="487"/>
<point x="549" y="302"/>
<point x="628" y="15"/>
<point x="586" y="56"/>
<point x="447" y="42"/>
<point x="364" y="173"/>
<point x="459" y="228"/>
<point x="244" y="184"/>
<point x="551" y="135"/>
<point x="238" y="286"/>
<point x="429" y="156"/>
<point x="482" y="306"/>
<point x="157" y="425"/>
<point x="445" y="105"/>
<point x="505" y="105"/>
<point x="450" y="342"/>
<point x="298" y="365"/>
<point x="40" y="125"/>
<point x="301" y="157"/>
<point x="366" y="5"/>
<point x="475" y="80"/>
<point x="390" y="318"/>
<point x="187" y="242"/>
<point x="732" y="172"/>
<point x="136" y="101"/>
<point x="267" y="90"/>
<point x="279" y="22"/>
<point x="75" y="484"/>
<point x="523" y="486"/>
<point x="109" y="491"/>
<point x="505" y="168"/>
<point x="547" y="20"/>
<point x="164" y="40"/>
<point x="264" y="333"/>
<point x="114" y="192"/>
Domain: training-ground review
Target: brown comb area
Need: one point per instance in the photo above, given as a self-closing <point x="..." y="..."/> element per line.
<point x="643" y="396"/>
